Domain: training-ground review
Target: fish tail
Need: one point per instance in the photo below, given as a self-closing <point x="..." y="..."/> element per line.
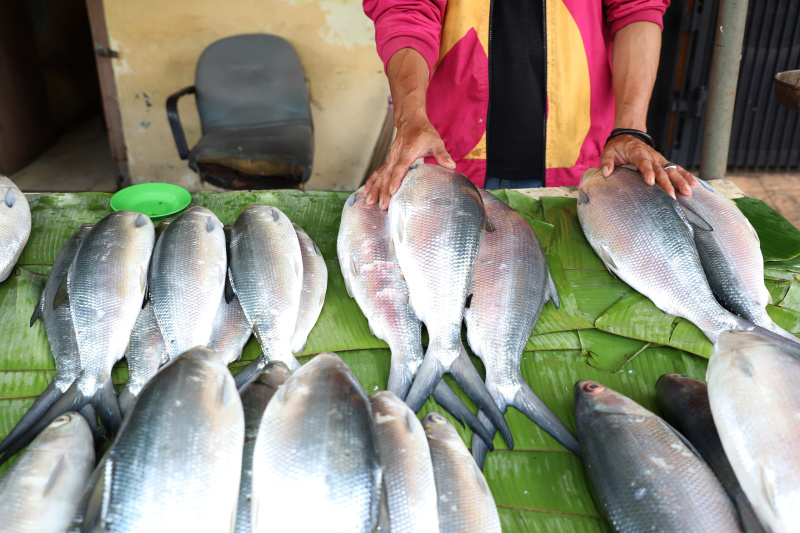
<point x="429" y="374"/>
<point x="750" y="522"/>
<point x="529" y="404"/>
<point x="788" y="345"/>
<point x="45" y="400"/>
<point x="481" y="447"/>
<point x="98" y="431"/>
<point x="105" y="402"/>
<point x="400" y="379"/>
<point x="465" y="375"/>
<point x="450" y="402"/>
<point x="248" y="374"/>
<point x="126" y="398"/>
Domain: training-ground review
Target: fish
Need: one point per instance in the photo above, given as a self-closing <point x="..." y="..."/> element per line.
<point x="511" y="283"/>
<point x="683" y="403"/>
<point x="187" y="279"/>
<point x="752" y="390"/>
<point x="254" y="400"/>
<point x="406" y="465"/>
<point x="61" y="335"/>
<point x="646" y="476"/>
<point x="266" y="273"/>
<point x="15" y="225"/>
<point x="105" y="287"/>
<point x="317" y="440"/>
<point x="435" y="223"/>
<point x="644" y="238"/>
<point x="372" y="276"/>
<point x="146" y="353"/>
<point x="731" y="256"/>
<point x="465" y="502"/>
<point x="41" y="490"/>
<point x="176" y="463"/>
<point x="315" y="284"/>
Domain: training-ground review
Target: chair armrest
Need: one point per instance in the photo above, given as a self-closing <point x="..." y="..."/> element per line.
<point x="175" y="121"/>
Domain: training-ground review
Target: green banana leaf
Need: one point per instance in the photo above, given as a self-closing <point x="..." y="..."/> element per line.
<point x="603" y="330"/>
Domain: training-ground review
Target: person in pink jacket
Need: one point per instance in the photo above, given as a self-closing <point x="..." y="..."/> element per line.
<point x="520" y="93"/>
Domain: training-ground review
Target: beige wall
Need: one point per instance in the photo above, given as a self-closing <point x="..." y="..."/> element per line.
<point x="159" y="42"/>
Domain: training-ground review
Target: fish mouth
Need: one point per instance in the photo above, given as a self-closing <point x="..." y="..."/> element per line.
<point x="590" y="175"/>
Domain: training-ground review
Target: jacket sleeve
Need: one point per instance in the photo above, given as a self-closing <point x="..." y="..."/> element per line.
<point x="620" y="13"/>
<point x="413" y="24"/>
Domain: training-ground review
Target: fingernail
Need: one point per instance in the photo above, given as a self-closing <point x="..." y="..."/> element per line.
<point x="605" y="170"/>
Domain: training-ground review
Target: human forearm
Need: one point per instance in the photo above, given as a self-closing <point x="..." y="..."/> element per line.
<point x="408" y="76"/>
<point x="637" y="47"/>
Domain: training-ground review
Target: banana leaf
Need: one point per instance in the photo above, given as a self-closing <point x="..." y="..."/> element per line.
<point x="603" y="330"/>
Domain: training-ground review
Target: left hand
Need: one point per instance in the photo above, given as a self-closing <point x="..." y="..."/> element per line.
<point x="629" y="149"/>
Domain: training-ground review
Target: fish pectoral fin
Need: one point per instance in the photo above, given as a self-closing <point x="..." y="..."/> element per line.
<point x="753" y="231"/>
<point x="583" y="198"/>
<point x="11" y="198"/>
<point x="397" y="229"/>
<point x="696" y="220"/>
<point x="768" y="487"/>
<point x="61" y="293"/>
<point x="298" y="264"/>
<point x="346" y="266"/>
<point x="553" y="291"/>
<point x="605" y="256"/>
<point x="57" y="473"/>
<point x="487" y="224"/>
<point x="37" y="311"/>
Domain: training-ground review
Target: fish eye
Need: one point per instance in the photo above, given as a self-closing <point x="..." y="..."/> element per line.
<point x="593" y="387"/>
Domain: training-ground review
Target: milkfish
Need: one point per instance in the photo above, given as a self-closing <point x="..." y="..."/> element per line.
<point x="409" y="487"/>
<point x="510" y="284"/>
<point x="731" y="256"/>
<point x="645" y="474"/>
<point x="266" y="273"/>
<point x="254" y="400"/>
<point x="187" y="279"/>
<point x="61" y="335"/>
<point x="105" y="286"/>
<point x="15" y="225"/>
<point x="435" y="222"/>
<point x="752" y="389"/>
<point x="146" y="353"/>
<point x="41" y="490"/>
<point x="465" y="502"/>
<point x="176" y="462"/>
<point x="683" y="403"/>
<point x="315" y="284"/>
<point x="372" y="276"/>
<point x="644" y="237"/>
<point x="317" y="440"/>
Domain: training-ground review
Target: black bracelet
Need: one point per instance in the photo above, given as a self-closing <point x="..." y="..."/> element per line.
<point x="642" y="136"/>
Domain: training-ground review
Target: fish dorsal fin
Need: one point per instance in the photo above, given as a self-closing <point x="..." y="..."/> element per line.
<point x="61" y="293"/>
<point x="583" y="198"/>
<point x="605" y="256"/>
<point x="11" y="198"/>
<point x="552" y="290"/>
<point x="37" y="311"/>
<point x="696" y="220"/>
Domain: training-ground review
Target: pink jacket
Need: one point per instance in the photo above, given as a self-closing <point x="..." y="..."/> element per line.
<point x="453" y="39"/>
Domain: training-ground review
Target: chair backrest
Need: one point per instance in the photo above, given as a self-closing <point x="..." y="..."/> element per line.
<point x="250" y="80"/>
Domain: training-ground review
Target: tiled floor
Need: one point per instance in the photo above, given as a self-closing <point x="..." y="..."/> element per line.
<point x="779" y="191"/>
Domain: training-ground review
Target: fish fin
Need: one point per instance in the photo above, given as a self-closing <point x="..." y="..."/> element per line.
<point x="229" y="294"/>
<point x="468" y="303"/>
<point x="683" y="439"/>
<point x="37" y="311"/>
<point x="479" y="479"/>
<point x="696" y="220"/>
<point x="316" y="249"/>
<point x="487" y="223"/>
<point x="61" y="294"/>
<point x="43" y="403"/>
<point x="400" y="379"/>
<point x="96" y="515"/>
<point x="298" y="265"/>
<point x="57" y="473"/>
<point x="430" y="372"/>
<point x="141" y="220"/>
<point x="11" y="197"/>
<point x="126" y="399"/>
<point x="211" y="225"/>
<point x="552" y="290"/>
<point x="583" y="198"/>
<point x="398" y="229"/>
<point x="529" y="404"/>
<point x="412" y="421"/>
<point x="276" y="215"/>
<point x="450" y="402"/>
<point x="605" y="256"/>
<point x="346" y="274"/>
<point x="249" y="373"/>
<point x="480" y="446"/>
<point x="105" y="402"/>
<point x="753" y="231"/>
<point x="143" y="281"/>
<point x="785" y="343"/>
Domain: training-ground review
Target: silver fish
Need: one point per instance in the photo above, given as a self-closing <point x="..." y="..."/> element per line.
<point x="406" y="464"/>
<point x="752" y="389"/>
<point x="683" y="403"/>
<point x="176" y="462"/>
<point x="42" y="488"/>
<point x="187" y="278"/>
<point x="254" y="400"/>
<point x="646" y="475"/>
<point x="317" y="439"/>
<point x="510" y="284"/>
<point x="146" y="353"/>
<point x="372" y="276"/>
<point x="266" y="272"/>
<point x="643" y="237"/>
<point x="230" y="331"/>
<point x="61" y="335"/>
<point x="731" y="256"/>
<point x="315" y="284"/>
<point x="435" y="222"/>
<point x="465" y="500"/>
<point x="15" y="225"/>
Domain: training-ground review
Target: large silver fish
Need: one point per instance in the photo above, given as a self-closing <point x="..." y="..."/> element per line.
<point x="317" y="440"/>
<point x="752" y="388"/>
<point x="60" y="334"/>
<point x="435" y="222"/>
<point x="266" y="272"/>
<point x="105" y="286"/>
<point x="510" y="284"/>
<point x="372" y="276"/>
<point x="254" y="400"/>
<point x="187" y="278"/>
<point x="465" y="500"/>
<point x="146" y="353"/>
<point x="15" y="225"/>
<point x="315" y="284"/>
<point x="42" y="488"/>
<point x="731" y="256"/>
<point x="645" y="476"/>
<point x="643" y="237"/>
<point x="176" y="462"/>
<point x="683" y="403"/>
<point x="410" y="489"/>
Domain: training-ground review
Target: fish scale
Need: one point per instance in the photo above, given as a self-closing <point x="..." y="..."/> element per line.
<point x="315" y="284"/>
<point x="146" y="353"/>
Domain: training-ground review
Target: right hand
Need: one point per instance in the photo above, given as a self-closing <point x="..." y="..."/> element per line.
<point x="416" y="137"/>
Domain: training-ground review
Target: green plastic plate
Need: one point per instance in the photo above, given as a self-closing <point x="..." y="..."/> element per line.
<point x="156" y="200"/>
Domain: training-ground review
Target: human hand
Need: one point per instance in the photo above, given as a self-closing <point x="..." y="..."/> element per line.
<point x="629" y="149"/>
<point x="415" y="138"/>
